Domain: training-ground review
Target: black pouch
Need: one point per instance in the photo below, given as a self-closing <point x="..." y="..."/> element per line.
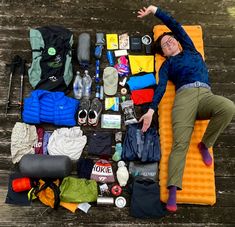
<point x="100" y="143"/>
<point x="145" y="199"/>
<point x="135" y="44"/>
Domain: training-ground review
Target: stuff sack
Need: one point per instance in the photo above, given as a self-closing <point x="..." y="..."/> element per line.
<point x="76" y="190"/>
<point x="51" y="67"/>
<point x="47" y="191"/>
<point x="145" y="199"/>
<point x="45" y="166"/>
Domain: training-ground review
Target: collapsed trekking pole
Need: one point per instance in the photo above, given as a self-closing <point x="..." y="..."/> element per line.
<point x="16" y="61"/>
<point x="22" y="71"/>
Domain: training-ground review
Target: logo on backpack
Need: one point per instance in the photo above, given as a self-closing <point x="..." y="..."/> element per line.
<point x="56" y="63"/>
<point x="52" y="78"/>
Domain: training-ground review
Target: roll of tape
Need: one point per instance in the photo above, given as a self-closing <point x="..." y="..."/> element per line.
<point x="123" y="91"/>
<point x="146" y="40"/>
<point x="120" y="202"/>
<point x="116" y="190"/>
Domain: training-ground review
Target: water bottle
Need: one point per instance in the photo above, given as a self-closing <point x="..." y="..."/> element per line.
<point x="110" y="57"/>
<point x="101" y="92"/>
<point x="77" y="86"/>
<point x="97" y="92"/>
<point x="86" y="82"/>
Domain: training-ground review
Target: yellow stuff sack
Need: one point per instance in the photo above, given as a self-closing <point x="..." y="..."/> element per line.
<point x="49" y="193"/>
<point x="141" y="63"/>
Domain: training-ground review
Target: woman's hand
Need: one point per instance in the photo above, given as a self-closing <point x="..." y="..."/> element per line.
<point x="146" y="11"/>
<point x="147" y="119"/>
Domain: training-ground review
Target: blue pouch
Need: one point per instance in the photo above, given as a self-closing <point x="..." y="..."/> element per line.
<point x="140" y="82"/>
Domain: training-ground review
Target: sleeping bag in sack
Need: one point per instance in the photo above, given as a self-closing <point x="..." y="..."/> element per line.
<point x="51" y="67"/>
<point x="45" y="166"/>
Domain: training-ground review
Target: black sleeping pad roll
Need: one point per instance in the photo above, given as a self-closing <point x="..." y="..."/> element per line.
<point x="40" y="166"/>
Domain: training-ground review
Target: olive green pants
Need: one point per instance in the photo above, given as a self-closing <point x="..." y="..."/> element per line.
<point x="191" y="104"/>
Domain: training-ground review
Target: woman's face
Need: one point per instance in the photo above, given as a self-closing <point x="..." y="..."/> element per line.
<point x="170" y="46"/>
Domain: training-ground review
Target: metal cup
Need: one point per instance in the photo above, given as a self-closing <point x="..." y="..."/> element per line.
<point x="105" y="200"/>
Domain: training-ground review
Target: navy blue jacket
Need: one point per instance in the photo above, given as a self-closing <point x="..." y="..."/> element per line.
<point x="183" y="68"/>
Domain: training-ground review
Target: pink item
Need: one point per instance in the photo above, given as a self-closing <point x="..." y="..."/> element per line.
<point x="38" y="146"/>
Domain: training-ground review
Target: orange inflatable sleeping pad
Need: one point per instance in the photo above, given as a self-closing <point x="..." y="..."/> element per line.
<point x="198" y="179"/>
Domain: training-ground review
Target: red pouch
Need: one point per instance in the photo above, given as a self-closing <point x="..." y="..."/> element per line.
<point x="142" y="96"/>
<point x="21" y="184"/>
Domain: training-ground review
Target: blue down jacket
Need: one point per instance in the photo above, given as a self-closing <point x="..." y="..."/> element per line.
<point x="50" y="107"/>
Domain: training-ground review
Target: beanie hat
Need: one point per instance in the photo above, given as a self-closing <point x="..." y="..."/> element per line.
<point x="102" y="172"/>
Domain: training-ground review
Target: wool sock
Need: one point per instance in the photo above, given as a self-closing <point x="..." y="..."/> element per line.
<point x="207" y="159"/>
<point x="171" y="202"/>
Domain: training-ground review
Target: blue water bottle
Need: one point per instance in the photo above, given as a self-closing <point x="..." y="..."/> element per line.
<point x="110" y="57"/>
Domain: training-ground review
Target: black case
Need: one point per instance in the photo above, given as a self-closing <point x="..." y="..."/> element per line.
<point x="135" y="44"/>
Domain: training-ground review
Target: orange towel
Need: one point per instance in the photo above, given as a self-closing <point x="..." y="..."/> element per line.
<point x="198" y="179"/>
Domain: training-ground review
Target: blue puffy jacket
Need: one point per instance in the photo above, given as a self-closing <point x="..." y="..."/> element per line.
<point x="50" y="107"/>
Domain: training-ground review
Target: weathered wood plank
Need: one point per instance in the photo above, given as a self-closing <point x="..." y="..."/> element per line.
<point x="218" y="23"/>
<point x="192" y="215"/>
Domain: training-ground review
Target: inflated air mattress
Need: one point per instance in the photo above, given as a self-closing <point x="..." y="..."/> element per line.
<point x="198" y="179"/>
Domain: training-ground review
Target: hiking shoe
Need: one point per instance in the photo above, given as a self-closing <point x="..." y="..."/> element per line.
<point x="94" y="112"/>
<point x="83" y="111"/>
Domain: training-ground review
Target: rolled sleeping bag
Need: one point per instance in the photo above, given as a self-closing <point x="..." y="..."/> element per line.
<point x="40" y="166"/>
<point x="83" y="49"/>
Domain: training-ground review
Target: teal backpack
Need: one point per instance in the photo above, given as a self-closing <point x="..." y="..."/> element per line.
<point x="51" y="67"/>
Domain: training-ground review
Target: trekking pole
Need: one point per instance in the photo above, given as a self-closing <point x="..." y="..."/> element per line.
<point x="14" y="63"/>
<point x="22" y="71"/>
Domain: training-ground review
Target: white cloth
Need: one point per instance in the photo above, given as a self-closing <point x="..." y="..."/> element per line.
<point x="23" y="139"/>
<point x="67" y="141"/>
<point x="122" y="174"/>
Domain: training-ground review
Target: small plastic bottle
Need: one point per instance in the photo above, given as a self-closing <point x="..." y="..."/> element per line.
<point x="77" y="86"/>
<point x="86" y="82"/>
<point x="97" y="92"/>
<point x="101" y="92"/>
<point x="110" y="57"/>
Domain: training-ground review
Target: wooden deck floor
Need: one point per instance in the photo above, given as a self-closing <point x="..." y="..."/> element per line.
<point x="217" y="18"/>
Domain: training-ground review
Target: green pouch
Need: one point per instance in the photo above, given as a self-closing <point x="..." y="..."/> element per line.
<point x="78" y="190"/>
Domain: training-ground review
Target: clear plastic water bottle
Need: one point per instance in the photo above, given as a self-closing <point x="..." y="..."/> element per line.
<point x="86" y="82"/>
<point x="77" y="86"/>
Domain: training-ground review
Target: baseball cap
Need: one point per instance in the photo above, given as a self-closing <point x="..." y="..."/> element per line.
<point x="110" y="78"/>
